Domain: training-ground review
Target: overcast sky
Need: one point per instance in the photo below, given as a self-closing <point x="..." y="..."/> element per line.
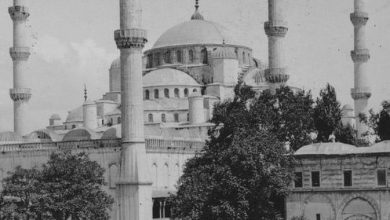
<point x="72" y="44"/>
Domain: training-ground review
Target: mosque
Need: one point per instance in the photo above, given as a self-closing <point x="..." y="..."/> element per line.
<point x="190" y="67"/>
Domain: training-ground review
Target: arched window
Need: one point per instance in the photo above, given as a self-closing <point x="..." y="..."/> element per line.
<point x="167" y="57"/>
<point x="163" y="118"/>
<point x="155" y="175"/>
<point x="194" y="90"/>
<point x="176" y="91"/>
<point x="166" y="176"/>
<point x="156" y="95"/>
<point x="204" y="56"/>
<point x="179" y="57"/>
<point x="73" y="126"/>
<point x="147" y="94"/>
<point x="176" y="116"/>
<point x="119" y="120"/>
<point x="185" y="92"/>
<point x="113" y="173"/>
<point x="150" y="61"/>
<point x="188" y="116"/>
<point x="157" y="58"/>
<point x="191" y="56"/>
<point x="150" y="118"/>
<point x="243" y="58"/>
<point x="166" y="93"/>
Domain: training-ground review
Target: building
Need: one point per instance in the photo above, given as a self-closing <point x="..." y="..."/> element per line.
<point x="341" y="182"/>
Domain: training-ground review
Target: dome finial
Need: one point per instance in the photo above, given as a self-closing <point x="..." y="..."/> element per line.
<point x="197" y="15"/>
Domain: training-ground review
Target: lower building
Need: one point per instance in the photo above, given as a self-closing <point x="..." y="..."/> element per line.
<point x="335" y="181"/>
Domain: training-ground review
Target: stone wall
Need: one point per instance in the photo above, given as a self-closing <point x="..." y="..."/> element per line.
<point x="333" y="200"/>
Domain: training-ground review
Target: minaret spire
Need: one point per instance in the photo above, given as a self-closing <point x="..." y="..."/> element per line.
<point x="85" y="93"/>
<point x="360" y="56"/>
<point x="20" y="52"/>
<point x="134" y="188"/>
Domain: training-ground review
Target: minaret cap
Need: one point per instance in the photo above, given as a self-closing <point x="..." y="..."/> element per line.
<point x="197" y="15"/>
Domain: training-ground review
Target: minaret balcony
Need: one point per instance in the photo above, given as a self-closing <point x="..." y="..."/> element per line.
<point x="19" y="53"/>
<point x="276" y="75"/>
<point x="130" y="38"/>
<point x="360" y="55"/>
<point x="361" y="93"/>
<point x="18" y="13"/>
<point x="359" y="18"/>
<point x="20" y="94"/>
<point x="275" y="29"/>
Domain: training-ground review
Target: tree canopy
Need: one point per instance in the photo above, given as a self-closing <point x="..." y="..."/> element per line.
<point x="68" y="185"/>
<point x="379" y="122"/>
<point x="242" y="173"/>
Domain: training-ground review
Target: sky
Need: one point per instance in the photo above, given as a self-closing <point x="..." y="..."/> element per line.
<point x="72" y="45"/>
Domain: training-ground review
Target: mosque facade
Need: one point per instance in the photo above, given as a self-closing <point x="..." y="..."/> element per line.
<point x="192" y="66"/>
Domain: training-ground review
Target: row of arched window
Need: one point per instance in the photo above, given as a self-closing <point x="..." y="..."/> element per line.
<point x="164" y="117"/>
<point x="167" y="58"/>
<point x="176" y="93"/>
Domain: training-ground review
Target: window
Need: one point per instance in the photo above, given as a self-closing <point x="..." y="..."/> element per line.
<point x="176" y="91"/>
<point x="156" y="95"/>
<point x="178" y="56"/>
<point x="204" y="56"/>
<point x="318" y="216"/>
<point x="315" y="179"/>
<point x="185" y="92"/>
<point x="157" y="58"/>
<point x="166" y="93"/>
<point x="167" y="57"/>
<point x="163" y="118"/>
<point x="347" y="178"/>
<point x="73" y="126"/>
<point x="150" y="118"/>
<point x="381" y="177"/>
<point x="147" y="95"/>
<point x="150" y="61"/>
<point x="298" y="181"/>
<point x="176" y="116"/>
<point x="194" y="90"/>
<point x="243" y="57"/>
<point x="191" y="56"/>
<point x="188" y="116"/>
<point x="119" y="120"/>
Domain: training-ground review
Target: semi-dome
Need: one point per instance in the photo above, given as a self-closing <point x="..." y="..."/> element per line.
<point x="168" y="77"/>
<point x="76" y="115"/>
<point x="196" y="31"/>
<point x="10" y="137"/>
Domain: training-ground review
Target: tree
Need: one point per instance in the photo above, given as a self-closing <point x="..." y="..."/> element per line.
<point x="287" y="114"/>
<point x="379" y="122"/>
<point x="242" y="173"/>
<point x="327" y="114"/>
<point x="69" y="185"/>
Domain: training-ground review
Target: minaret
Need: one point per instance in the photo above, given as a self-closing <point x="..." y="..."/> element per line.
<point x="360" y="56"/>
<point x="134" y="185"/>
<point x="276" y="29"/>
<point x="20" y="53"/>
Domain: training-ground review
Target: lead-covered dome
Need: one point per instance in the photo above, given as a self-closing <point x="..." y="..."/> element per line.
<point x="168" y="77"/>
<point x="195" y="31"/>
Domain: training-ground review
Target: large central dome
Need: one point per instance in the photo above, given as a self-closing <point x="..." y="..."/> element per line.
<point x="195" y="31"/>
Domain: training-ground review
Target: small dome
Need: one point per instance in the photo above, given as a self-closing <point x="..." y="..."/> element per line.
<point x="194" y="32"/>
<point x="327" y="149"/>
<point x="168" y="77"/>
<point x="75" y="115"/>
<point x="224" y="53"/>
<point x="55" y="117"/>
<point x="10" y="137"/>
<point x="116" y="64"/>
<point x="347" y="107"/>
